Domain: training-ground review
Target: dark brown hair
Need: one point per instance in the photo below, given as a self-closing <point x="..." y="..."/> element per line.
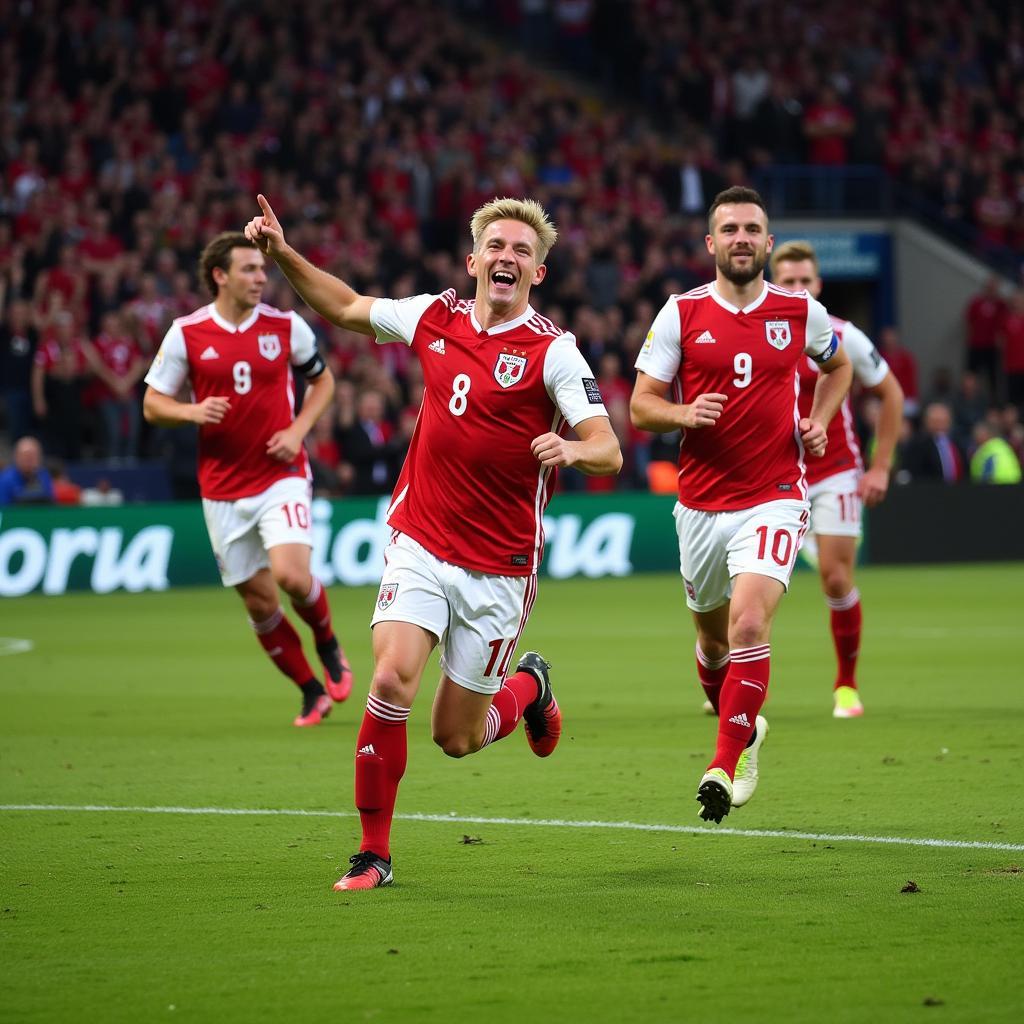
<point x="730" y="196"/>
<point x="218" y="254"/>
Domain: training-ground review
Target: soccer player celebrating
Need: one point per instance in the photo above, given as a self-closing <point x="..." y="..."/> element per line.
<point x="502" y="384"/>
<point x="838" y="484"/>
<point x="238" y="354"/>
<point x="729" y="351"/>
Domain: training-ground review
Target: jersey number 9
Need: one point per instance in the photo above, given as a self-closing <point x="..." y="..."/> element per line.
<point x="242" y="372"/>
<point x="744" y="367"/>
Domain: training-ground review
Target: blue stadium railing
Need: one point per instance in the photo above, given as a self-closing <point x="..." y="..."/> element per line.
<point x="864" y="190"/>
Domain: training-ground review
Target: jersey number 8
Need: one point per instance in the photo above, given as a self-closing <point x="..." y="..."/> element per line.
<point x="460" y="388"/>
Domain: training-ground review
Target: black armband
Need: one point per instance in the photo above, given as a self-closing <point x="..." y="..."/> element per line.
<point x="313" y="368"/>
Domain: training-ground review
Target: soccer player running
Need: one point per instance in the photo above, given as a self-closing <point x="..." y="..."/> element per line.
<point x="502" y="384"/>
<point x="838" y="484"/>
<point x="238" y="355"/>
<point x="729" y="352"/>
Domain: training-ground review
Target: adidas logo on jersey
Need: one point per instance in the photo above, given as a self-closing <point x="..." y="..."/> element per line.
<point x="707" y="338"/>
<point x="368" y="749"/>
<point x="437" y="346"/>
<point x="740" y="719"/>
<point x="210" y="353"/>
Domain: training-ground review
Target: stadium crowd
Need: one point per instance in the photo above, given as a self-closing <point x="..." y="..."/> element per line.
<point x="128" y="140"/>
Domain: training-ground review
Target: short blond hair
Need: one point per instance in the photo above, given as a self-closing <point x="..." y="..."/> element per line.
<point x="793" y="252"/>
<point x="526" y="211"/>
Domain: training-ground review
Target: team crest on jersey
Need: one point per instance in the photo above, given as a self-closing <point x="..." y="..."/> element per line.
<point x="270" y="346"/>
<point x="509" y="369"/>
<point x="386" y="597"/>
<point x="778" y="333"/>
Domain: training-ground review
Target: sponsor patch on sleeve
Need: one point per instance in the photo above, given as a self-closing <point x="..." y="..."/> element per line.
<point x="592" y="390"/>
<point x="876" y="356"/>
<point x="833" y="348"/>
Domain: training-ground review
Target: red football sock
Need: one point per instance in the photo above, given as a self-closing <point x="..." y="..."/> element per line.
<point x="743" y="693"/>
<point x="316" y="612"/>
<point x="712" y="673"/>
<point x="507" y="707"/>
<point x="278" y="638"/>
<point x="381" y="755"/>
<point x="846" y="624"/>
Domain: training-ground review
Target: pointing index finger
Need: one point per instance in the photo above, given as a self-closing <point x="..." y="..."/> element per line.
<point x="264" y="205"/>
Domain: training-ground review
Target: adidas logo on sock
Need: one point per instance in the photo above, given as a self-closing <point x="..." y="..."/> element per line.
<point x="368" y="749"/>
<point x="437" y="346"/>
<point x="740" y="719"/>
<point x="707" y="338"/>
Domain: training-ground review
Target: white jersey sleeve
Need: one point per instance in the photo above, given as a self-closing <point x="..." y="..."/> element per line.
<point x="170" y="367"/>
<point x="303" y="340"/>
<point x="397" y="319"/>
<point x="821" y="344"/>
<point x="571" y="383"/>
<point x="662" y="351"/>
<point x="869" y="368"/>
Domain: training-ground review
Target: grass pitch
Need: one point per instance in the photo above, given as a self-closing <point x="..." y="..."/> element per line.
<point x="164" y="701"/>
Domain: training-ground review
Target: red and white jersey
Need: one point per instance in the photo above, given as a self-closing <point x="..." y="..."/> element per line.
<point x="703" y="344"/>
<point x="471" y="491"/>
<point x="250" y="365"/>
<point x="869" y="368"/>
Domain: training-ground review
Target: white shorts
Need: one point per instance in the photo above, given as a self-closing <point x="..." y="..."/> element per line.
<point x="836" y="505"/>
<point x="242" y="532"/>
<point x="478" y="618"/>
<point x="716" y="546"/>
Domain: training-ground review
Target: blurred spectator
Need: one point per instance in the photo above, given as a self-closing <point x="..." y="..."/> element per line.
<point x="58" y="373"/>
<point x="828" y="124"/>
<point x="993" y="461"/>
<point x="969" y="407"/>
<point x="904" y="367"/>
<point x="367" y="446"/>
<point x="932" y="454"/>
<point x="1012" y="345"/>
<point x="18" y="341"/>
<point x="65" y="490"/>
<point x="26" y="481"/>
<point x="116" y="360"/>
<point x="984" y="316"/>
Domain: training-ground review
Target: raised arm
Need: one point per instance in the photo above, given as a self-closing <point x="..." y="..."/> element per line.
<point x="331" y="297"/>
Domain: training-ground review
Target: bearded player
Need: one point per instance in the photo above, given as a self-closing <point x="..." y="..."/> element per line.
<point x="720" y="363"/>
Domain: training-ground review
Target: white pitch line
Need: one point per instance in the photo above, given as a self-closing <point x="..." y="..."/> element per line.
<point x="631" y="826"/>
<point x="15" y="645"/>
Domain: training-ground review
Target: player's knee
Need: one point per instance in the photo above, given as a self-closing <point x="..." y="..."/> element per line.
<point x="750" y="627"/>
<point x="389" y="686"/>
<point x="837" y="582"/>
<point x="293" y="582"/>
<point x="260" y="608"/>
<point x="456" y="744"/>
<point x="712" y="648"/>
